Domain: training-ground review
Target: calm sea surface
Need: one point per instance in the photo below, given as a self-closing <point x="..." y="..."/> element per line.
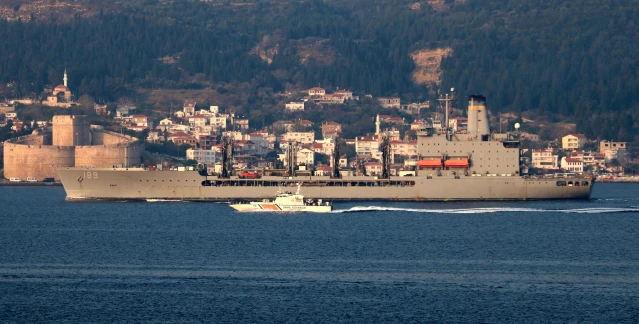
<point x="543" y="261"/>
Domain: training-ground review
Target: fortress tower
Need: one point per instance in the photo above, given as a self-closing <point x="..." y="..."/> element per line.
<point x="71" y="131"/>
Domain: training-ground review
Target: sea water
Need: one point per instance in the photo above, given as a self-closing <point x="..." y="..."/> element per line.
<point x="366" y="262"/>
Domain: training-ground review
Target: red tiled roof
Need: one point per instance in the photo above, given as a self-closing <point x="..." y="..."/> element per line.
<point x="179" y="133"/>
<point x="573" y="160"/>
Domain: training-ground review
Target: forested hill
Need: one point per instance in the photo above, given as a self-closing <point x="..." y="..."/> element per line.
<point x="569" y="57"/>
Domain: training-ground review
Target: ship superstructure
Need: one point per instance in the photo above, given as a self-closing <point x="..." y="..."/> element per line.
<point x="476" y="165"/>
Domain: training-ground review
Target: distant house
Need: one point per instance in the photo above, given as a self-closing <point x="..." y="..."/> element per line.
<point x="389" y="102"/>
<point x="179" y="138"/>
<point x="295" y="106"/>
<point x="573" y="141"/>
<point x="417" y="125"/>
<point x="208" y="157"/>
<point x="329" y="99"/>
<point x="189" y="108"/>
<point x="416" y="108"/>
<point x="303" y="157"/>
<point x="373" y="168"/>
<point x="348" y="95"/>
<point x="242" y="124"/>
<point x="571" y="164"/>
<point x="142" y="121"/>
<point x="391" y="119"/>
<point x="218" y="121"/>
<point x="606" y="145"/>
<point x="323" y="171"/>
<point x="244" y="147"/>
<point x="366" y="146"/>
<point x="301" y="137"/>
<point x="545" y="159"/>
<point x="125" y="110"/>
<point x="198" y="120"/>
<point x="316" y="91"/>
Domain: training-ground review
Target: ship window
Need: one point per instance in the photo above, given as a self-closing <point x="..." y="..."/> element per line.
<point x="584" y="183"/>
<point x="561" y="183"/>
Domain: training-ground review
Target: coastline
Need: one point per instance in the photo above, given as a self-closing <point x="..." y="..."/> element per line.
<point x="619" y="180"/>
<point x="7" y="183"/>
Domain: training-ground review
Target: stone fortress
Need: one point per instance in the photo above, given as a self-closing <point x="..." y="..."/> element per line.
<point x="71" y="142"/>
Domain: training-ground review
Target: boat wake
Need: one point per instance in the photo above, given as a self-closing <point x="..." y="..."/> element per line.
<point x="489" y="210"/>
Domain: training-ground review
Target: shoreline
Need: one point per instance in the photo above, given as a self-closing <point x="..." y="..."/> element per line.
<point x="29" y="184"/>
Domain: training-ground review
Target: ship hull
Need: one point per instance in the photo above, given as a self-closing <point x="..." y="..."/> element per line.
<point x="83" y="183"/>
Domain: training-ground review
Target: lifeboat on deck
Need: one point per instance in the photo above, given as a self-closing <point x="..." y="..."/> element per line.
<point x="430" y="163"/>
<point x="458" y="163"/>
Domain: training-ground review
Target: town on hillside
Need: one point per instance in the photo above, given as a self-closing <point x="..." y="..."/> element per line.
<point x="194" y="135"/>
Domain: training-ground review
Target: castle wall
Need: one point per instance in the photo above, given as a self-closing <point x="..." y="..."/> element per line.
<point x="101" y="137"/>
<point x="38" y="161"/>
<point x="71" y="130"/>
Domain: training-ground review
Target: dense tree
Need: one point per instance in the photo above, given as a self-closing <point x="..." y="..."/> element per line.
<point x="566" y="57"/>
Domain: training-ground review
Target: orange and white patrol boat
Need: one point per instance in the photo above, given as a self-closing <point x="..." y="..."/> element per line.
<point x="288" y="202"/>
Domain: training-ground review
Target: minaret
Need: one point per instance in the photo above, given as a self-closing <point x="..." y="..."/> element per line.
<point x="65" y="77"/>
<point x="377" y="125"/>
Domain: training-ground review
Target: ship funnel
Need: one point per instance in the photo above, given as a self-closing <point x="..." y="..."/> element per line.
<point x="477" y="117"/>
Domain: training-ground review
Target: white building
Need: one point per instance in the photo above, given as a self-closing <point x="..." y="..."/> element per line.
<point x="316" y="91"/>
<point x="198" y="120"/>
<point x="301" y="137"/>
<point x="219" y="121"/>
<point x="573" y="141"/>
<point x="295" y="106"/>
<point x="202" y="156"/>
<point x="573" y="165"/>
<point x="366" y="146"/>
<point x="303" y="156"/>
<point x="545" y="159"/>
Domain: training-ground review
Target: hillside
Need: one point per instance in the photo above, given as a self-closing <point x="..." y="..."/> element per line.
<point x="572" y="58"/>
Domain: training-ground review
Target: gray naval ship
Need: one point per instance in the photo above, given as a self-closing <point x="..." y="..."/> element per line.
<point x="476" y="165"/>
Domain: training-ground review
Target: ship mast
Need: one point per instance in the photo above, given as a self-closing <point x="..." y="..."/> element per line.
<point x="447" y="100"/>
<point x="385" y="148"/>
<point x="336" y="174"/>
<point x="227" y="156"/>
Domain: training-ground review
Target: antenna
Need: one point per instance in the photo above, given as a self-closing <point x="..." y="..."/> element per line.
<point x="449" y="97"/>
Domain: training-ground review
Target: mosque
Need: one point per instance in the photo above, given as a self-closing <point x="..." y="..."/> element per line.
<point x="61" y="95"/>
